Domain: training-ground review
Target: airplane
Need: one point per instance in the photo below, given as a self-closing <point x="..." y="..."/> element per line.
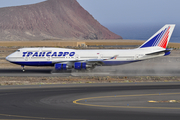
<point x="64" y="59"/>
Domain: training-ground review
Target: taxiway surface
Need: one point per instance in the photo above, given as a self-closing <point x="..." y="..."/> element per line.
<point x="90" y="101"/>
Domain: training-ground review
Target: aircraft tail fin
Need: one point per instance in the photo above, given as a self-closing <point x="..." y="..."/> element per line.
<point x="160" y="38"/>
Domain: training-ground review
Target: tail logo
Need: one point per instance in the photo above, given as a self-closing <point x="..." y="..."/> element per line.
<point x="164" y="40"/>
<point x="161" y="38"/>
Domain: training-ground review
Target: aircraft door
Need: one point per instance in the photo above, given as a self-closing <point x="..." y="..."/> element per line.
<point x="48" y="57"/>
<point x="100" y="56"/>
<point x="136" y="57"/>
<point x="77" y="57"/>
<point x="47" y="54"/>
<point x="26" y="58"/>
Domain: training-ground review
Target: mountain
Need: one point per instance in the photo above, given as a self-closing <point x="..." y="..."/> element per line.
<point x="51" y="19"/>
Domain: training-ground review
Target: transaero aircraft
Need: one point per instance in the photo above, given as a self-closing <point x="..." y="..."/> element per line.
<point x="63" y="59"/>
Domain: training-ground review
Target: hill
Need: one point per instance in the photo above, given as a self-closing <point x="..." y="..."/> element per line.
<point x="51" y="19"/>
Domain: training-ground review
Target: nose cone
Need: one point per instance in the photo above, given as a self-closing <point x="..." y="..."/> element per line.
<point x="11" y="57"/>
<point x="7" y="58"/>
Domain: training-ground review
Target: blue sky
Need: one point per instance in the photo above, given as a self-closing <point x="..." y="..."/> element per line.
<point x="113" y="12"/>
<point x="133" y="11"/>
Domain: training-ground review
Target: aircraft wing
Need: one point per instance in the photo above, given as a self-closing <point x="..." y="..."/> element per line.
<point x="100" y="61"/>
<point x="91" y="61"/>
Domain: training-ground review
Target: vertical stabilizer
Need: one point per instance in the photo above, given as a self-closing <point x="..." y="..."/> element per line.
<point x="160" y="38"/>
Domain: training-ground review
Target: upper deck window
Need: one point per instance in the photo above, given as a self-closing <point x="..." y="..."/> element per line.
<point x="17" y="50"/>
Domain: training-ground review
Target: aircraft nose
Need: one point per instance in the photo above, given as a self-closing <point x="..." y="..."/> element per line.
<point x="11" y="57"/>
<point x="7" y="58"/>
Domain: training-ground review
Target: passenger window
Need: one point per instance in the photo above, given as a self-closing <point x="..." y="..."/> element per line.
<point x="18" y="51"/>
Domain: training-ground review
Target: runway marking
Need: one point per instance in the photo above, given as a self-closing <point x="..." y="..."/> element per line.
<point x="77" y="101"/>
<point x="29" y="117"/>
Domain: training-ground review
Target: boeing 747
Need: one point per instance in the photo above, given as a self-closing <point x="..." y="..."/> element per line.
<point x="63" y="59"/>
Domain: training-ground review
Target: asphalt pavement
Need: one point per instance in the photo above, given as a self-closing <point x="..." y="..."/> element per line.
<point x="124" y="101"/>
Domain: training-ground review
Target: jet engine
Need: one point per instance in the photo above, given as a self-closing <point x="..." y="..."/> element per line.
<point x="79" y="66"/>
<point x="76" y="65"/>
<point x="62" y="66"/>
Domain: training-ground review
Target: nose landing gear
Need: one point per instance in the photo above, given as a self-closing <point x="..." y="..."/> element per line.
<point x="23" y="68"/>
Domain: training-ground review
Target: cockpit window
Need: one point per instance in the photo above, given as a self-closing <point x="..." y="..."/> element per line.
<point x="18" y="51"/>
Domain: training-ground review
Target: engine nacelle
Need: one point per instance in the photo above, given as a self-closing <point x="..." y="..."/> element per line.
<point x="79" y="66"/>
<point x="61" y="66"/>
<point x="58" y="66"/>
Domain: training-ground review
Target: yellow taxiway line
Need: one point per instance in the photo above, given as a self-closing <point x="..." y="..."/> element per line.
<point x="78" y="100"/>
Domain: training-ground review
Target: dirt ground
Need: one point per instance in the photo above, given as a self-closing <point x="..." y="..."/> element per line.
<point x="76" y="43"/>
<point x="82" y="80"/>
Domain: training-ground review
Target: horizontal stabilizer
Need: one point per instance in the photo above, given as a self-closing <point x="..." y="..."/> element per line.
<point x="114" y="57"/>
<point x="163" y="51"/>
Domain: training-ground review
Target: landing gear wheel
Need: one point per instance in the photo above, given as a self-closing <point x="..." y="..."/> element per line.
<point x="23" y="68"/>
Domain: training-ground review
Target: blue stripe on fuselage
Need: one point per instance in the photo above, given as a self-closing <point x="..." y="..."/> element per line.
<point x="49" y="63"/>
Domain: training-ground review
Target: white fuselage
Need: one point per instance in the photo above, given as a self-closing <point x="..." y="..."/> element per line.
<point x="51" y="56"/>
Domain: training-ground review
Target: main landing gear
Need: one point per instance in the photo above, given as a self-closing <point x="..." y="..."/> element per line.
<point x="23" y="68"/>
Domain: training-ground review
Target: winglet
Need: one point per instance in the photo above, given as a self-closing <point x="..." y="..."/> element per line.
<point x="160" y="38"/>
